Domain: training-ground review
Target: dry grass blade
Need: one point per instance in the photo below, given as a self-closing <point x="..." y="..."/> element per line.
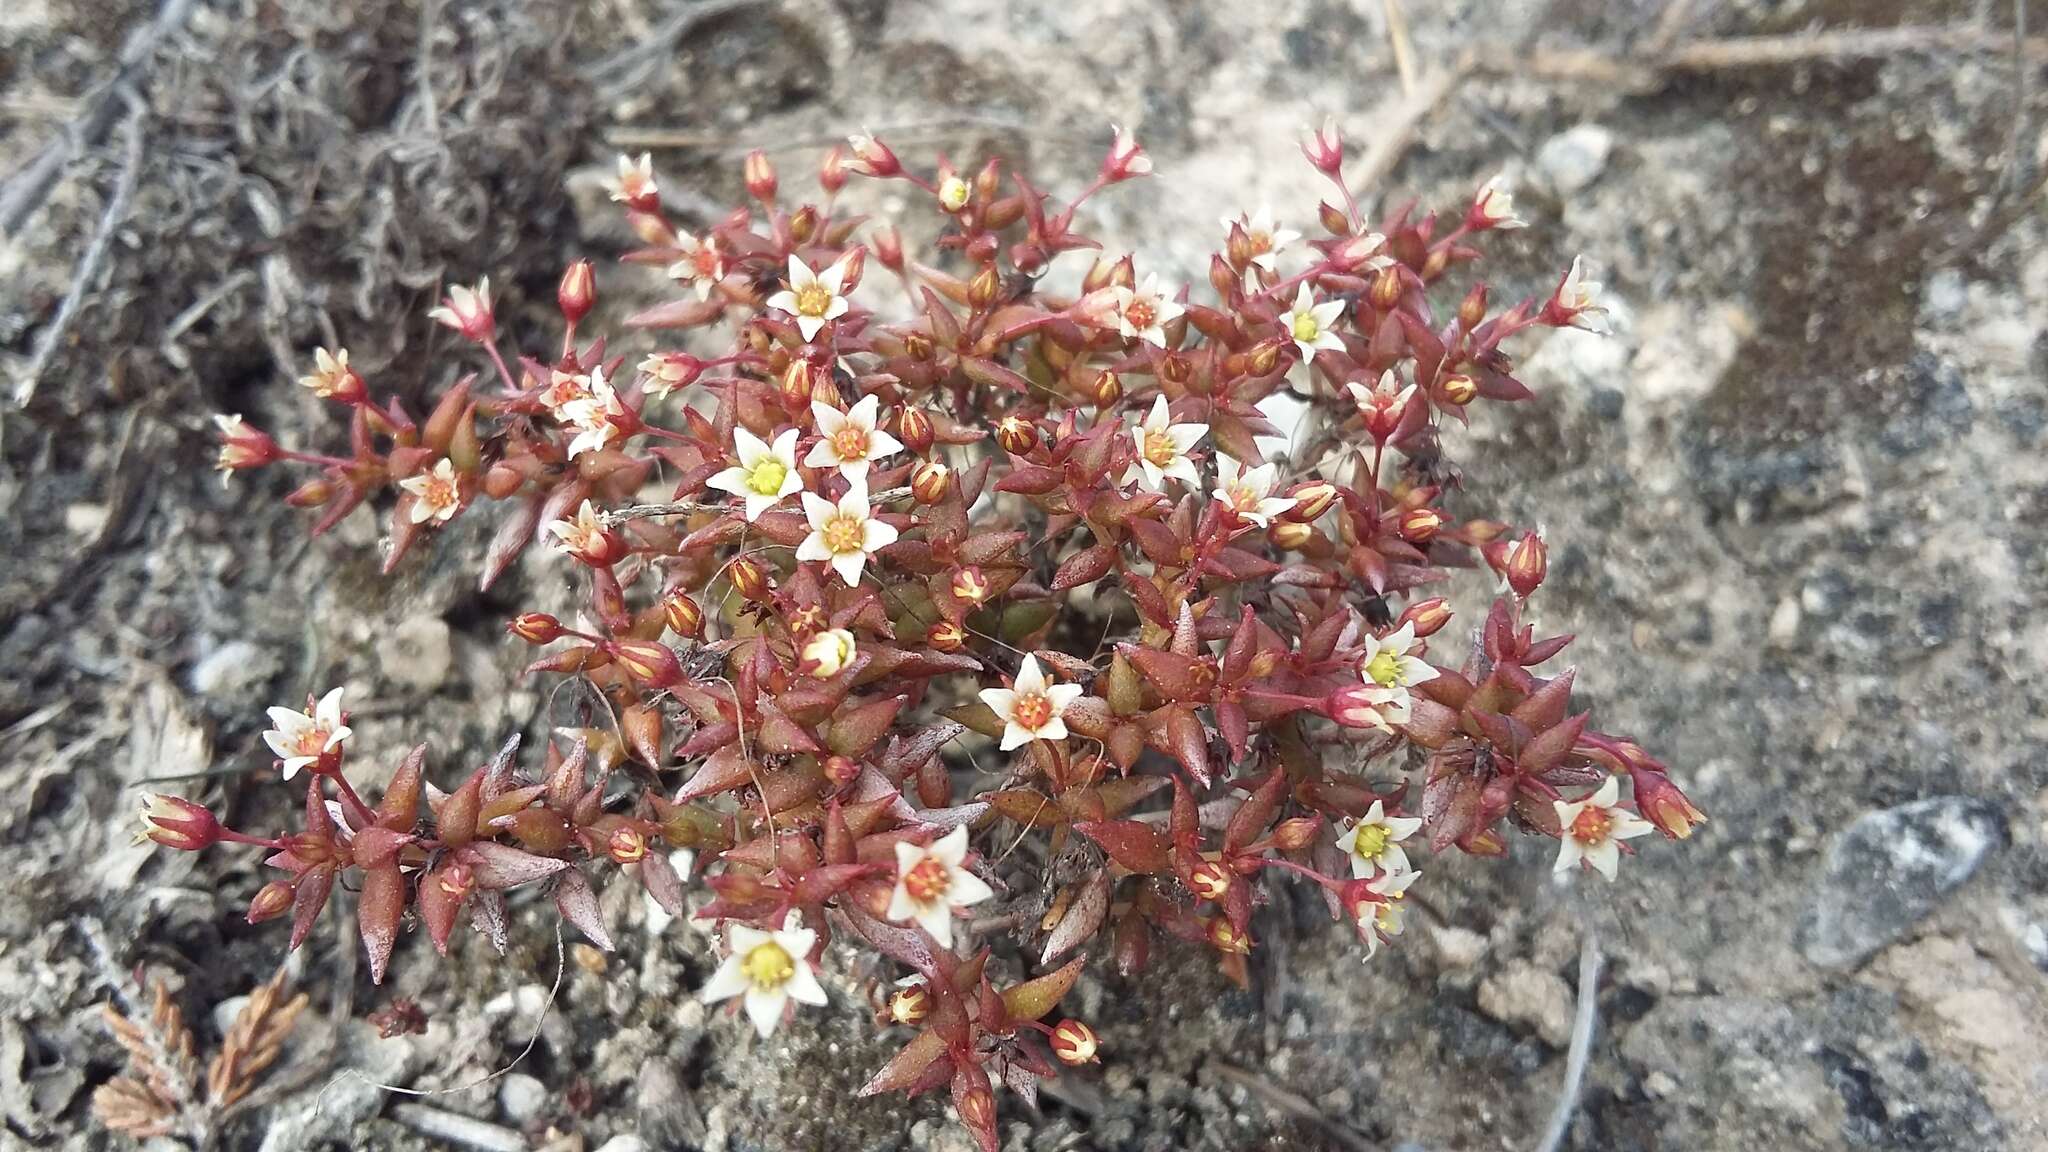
<point x="151" y="1100"/>
<point x="133" y="1108"/>
<point x="252" y="1043"/>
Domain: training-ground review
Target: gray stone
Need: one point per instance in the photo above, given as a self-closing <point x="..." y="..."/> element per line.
<point x="417" y="654"/>
<point x="231" y="670"/>
<point x="1889" y="869"/>
<point x="1572" y="159"/>
<point x="1530" y="997"/>
<point x="521" y="1098"/>
<point x="623" y="1142"/>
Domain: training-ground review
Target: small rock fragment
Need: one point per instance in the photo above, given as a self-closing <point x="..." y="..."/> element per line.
<point x="1889" y="869"/>
<point x="521" y="1098"/>
<point x="417" y="653"/>
<point x="1573" y="159"/>
<point x="1529" y="997"/>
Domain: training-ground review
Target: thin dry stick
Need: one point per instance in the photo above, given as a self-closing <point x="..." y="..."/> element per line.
<point x="456" y="1128"/>
<point x="2022" y="151"/>
<point x="1297" y="1106"/>
<point x="1397" y="37"/>
<point x="1582" y="1044"/>
<point x="618" y="516"/>
<point x="1647" y="70"/>
<point x="95" y="252"/>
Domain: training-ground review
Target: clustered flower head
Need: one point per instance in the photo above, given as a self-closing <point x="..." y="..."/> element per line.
<point x="914" y="586"/>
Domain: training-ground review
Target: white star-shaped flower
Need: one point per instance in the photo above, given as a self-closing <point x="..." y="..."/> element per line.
<point x="1249" y="492"/>
<point x="769" y="969"/>
<point x="1308" y="324"/>
<point x="594" y="416"/>
<point x="1390" y="667"/>
<point x="1590" y="829"/>
<point x="1163" y="449"/>
<point x="1496" y="206"/>
<point x="1381" y="918"/>
<point x="814" y="298"/>
<point x="1581" y="298"/>
<point x="1374" y="843"/>
<point x="700" y="263"/>
<point x="300" y="738"/>
<point x="844" y="534"/>
<point x="765" y="473"/>
<point x="564" y="389"/>
<point x="436" y="494"/>
<point x="583" y="535"/>
<point x="849" y="440"/>
<point x="1142" y="313"/>
<point x="1267" y="242"/>
<point x="930" y="884"/>
<point x="1030" y="708"/>
<point x="634" y="183"/>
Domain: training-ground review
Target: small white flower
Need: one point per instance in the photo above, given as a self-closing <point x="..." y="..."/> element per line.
<point x="1142" y="313"/>
<point x="467" y="310"/>
<point x="1374" y="843"/>
<point x="436" y="494"/>
<point x="1126" y="156"/>
<point x="700" y="263"/>
<point x="828" y="652"/>
<point x="1030" y="708"/>
<point x="1308" y="324"/>
<point x="635" y="183"/>
<point x="765" y="474"/>
<point x="1591" y="827"/>
<point x="300" y="739"/>
<point x="582" y="535"/>
<point x="814" y="298"/>
<point x="564" y="389"/>
<point x="953" y="193"/>
<point x="769" y="969"/>
<point x="1389" y="667"/>
<point x="330" y="372"/>
<point x="1580" y="298"/>
<point x="1496" y="206"/>
<point x="1163" y="449"/>
<point x="595" y="417"/>
<point x="930" y="884"/>
<point x="849" y="440"/>
<point x="1248" y="492"/>
<point x="844" y="534"/>
<point x="1381" y="918"/>
<point x="1267" y="242"/>
<point x="1383" y="403"/>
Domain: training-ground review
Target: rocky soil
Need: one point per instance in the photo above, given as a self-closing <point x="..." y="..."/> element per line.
<point x="1796" y="504"/>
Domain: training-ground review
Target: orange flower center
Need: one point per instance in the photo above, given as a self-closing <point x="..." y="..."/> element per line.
<point x="1259" y="242"/>
<point x="311" y="742"/>
<point x="1140" y="313"/>
<point x="1591" y="825"/>
<point x="1159" y="448"/>
<point x="813" y="300"/>
<point x="851" y="443"/>
<point x="844" y="534"/>
<point x="705" y="262"/>
<point x="438" y="493"/>
<point x="1031" y="710"/>
<point x="927" y="880"/>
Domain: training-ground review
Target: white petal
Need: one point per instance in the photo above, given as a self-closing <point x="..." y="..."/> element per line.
<point x="849" y="566"/>
<point x="813" y="547"/>
<point x="856" y="470"/>
<point x="803" y="986"/>
<point x="1186" y="436"/>
<point x="784" y="301"/>
<point x="819" y="511"/>
<point x="293" y="764"/>
<point x="1414" y="670"/>
<point x="901" y="906"/>
<point x="823" y="454"/>
<point x="1402" y="827"/>
<point x="784" y="448"/>
<point x="764" y="1008"/>
<point x="1569" y="853"/>
<point x="1015" y="736"/>
<point x="328" y="712"/>
<point x="855" y="502"/>
<point x="1157" y="419"/>
<point x="731" y="480"/>
<point x="809" y="325"/>
<point x="729" y="981"/>
<point x="1605" y="857"/>
<point x="335" y="738"/>
<point x="949" y="849"/>
<point x="1029" y="677"/>
<point x="749" y="448"/>
<point x="882" y="444"/>
<point x="968" y="889"/>
<point x="828" y="419"/>
<point x="1061" y="695"/>
<point x="1000" y="701"/>
<point x="1055" y="729"/>
<point x="835" y="276"/>
<point x="862" y="414"/>
<point x="800" y="274"/>
<point x="1609" y="792"/>
<point x="757" y="504"/>
<point x="1394" y="858"/>
<point x="937" y="919"/>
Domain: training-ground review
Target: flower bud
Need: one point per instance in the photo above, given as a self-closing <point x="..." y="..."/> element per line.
<point x="1528" y="561"/>
<point x="1420" y="525"/>
<point x="1472" y="309"/>
<point x="1663" y="804"/>
<point x="176" y="822"/>
<point x="648" y="661"/>
<point x="970" y="585"/>
<point x="1222" y="280"/>
<point x="502" y="480"/>
<point x="1290" y="536"/>
<point x="1458" y="389"/>
<point x="910" y="1006"/>
<point x="1107" y="389"/>
<point x="1209" y="880"/>
<point x="981" y="291"/>
<point x="799" y="385"/>
<point x="841" y="770"/>
<point x="930" y="481"/>
<point x="954" y="193"/>
<point x="468" y="311"/>
<point x="1427" y="617"/>
<point x="1333" y="219"/>
<point x="1312" y="498"/>
<point x="977" y="1106"/>
<point x="1356" y="706"/>
<point x="1361" y="250"/>
<point x="535" y="627"/>
<point x="803" y="224"/>
<point x="1266" y="356"/>
<point x="918" y="346"/>
<point x="807" y="619"/>
<point x="1385" y="292"/>
<point x="1100" y="275"/>
<point x="747" y="578"/>
<point x="457" y="881"/>
<point x="760" y="177"/>
<point x="668" y="371"/>
<point x="577" y="291"/>
<point x="1433" y="266"/>
<point x="914" y="428"/>
<point x="827" y="652"/>
<point x="1296" y="833"/>
<point x="1126" y="159"/>
<point x="1017" y="435"/>
<point x="832" y="170"/>
<point x="271" y="901"/>
<point x="873" y="158"/>
<point x="243" y="445"/>
<point x="889" y="247"/>
<point x="946" y="636"/>
<point x="1324" y="148"/>
<point x="1075" y="1043"/>
<point x="626" y="845"/>
<point x="852" y="267"/>
<point x="312" y="494"/>
<point x="1227" y="937"/>
<point x="682" y="614"/>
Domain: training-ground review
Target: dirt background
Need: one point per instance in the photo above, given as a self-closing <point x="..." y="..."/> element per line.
<point x="1796" y="504"/>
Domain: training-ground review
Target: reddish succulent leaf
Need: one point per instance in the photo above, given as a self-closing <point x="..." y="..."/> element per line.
<point x="1176" y="676"/>
<point x="1084" y="567"/>
<point x="855" y="732"/>
<point x="515" y="531"/>
<point x="499" y="866"/>
<point x="308" y="898"/>
<point x="1137" y="846"/>
<point x="438" y="906"/>
<point x="1187" y="742"/>
<point x="378" y="910"/>
<point x="576" y="900"/>
<point x="1084" y="917"/>
<point x="1032" y="999"/>
<point x="779" y="735"/>
<point x="723" y="771"/>
<point x="659" y="877"/>
<point x="909" y="1065"/>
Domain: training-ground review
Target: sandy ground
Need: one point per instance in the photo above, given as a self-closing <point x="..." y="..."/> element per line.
<point x="1796" y="506"/>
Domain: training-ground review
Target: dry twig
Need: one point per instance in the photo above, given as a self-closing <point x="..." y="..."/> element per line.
<point x="1582" y="1044"/>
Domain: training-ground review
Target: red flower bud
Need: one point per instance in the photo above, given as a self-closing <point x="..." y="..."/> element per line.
<point x="1527" y="562"/>
<point x="648" y="661"/>
<point x="914" y="428"/>
<point x="1107" y="389"/>
<point x="1209" y="880"/>
<point x="577" y="292"/>
<point x="1457" y="389"/>
<point x="1356" y="706"/>
<point x="889" y="248"/>
<point x="1227" y="937"/>
<point x="626" y="845"/>
<point x="1312" y="498"/>
<point x="1324" y="148"/>
<point x="1663" y="804"/>
<point x="1126" y="159"/>
<point x="1427" y="617"/>
<point x="176" y="822"/>
<point x="910" y="1006"/>
<point x="1420" y="525"/>
<point x="871" y="157"/>
<point x="970" y="585"/>
<point x="760" y="177"/>
<point x="930" y="481"/>
<point x="799" y="384"/>
<point x="832" y="170"/>
<point x="841" y="770"/>
<point x="1290" y="536"/>
<point x="271" y="901"/>
<point x="1472" y="309"/>
<point x="946" y="636"/>
<point x="1075" y="1043"/>
<point x="1294" y="834"/>
<point x="747" y="578"/>
<point x="312" y="494"/>
<point x="684" y="618"/>
<point x="1017" y="435"/>
<point x="535" y="627"/>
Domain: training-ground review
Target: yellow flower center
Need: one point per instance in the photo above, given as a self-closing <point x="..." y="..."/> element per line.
<point x="927" y="880"/>
<point x="1371" y="842"/>
<point x="1243" y="498"/>
<point x="851" y="443"/>
<point x="1305" y="328"/>
<point x="768" y="966"/>
<point x="767" y="476"/>
<point x="1140" y="314"/>
<point x="1159" y="448"/>
<point x="1384" y="669"/>
<point x="1387" y="917"/>
<point x="813" y="300"/>
<point x="1031" y="710"/>
<point x="844" y="534"/>
<point x="1591" y="825"/>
